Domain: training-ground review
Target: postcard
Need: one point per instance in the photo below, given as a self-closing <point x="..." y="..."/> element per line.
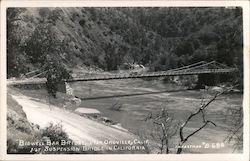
<point x="124" y="80"/>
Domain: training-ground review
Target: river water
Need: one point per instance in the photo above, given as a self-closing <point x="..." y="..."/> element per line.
<point x="138" y="98"/>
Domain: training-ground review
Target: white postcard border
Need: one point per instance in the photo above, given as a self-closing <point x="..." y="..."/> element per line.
<point x="77" y="3"/>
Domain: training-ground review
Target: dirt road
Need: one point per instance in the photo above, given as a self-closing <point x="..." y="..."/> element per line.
<point x="77" y="127"/>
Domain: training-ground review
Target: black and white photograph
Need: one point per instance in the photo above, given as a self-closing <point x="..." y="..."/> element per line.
<point x="125" y="80"/>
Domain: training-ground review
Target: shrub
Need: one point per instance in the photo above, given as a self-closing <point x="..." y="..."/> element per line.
<point x="14" y="148"/>
<point x="54" y="132"/>
<point x="82" y="22"/>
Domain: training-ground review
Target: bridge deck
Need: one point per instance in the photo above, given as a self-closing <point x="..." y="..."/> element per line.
<point x="154" y="74"/>
<point x="130" y="75"/>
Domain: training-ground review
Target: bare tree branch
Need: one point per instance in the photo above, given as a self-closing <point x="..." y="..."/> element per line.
<point x="200" y="110"/>
<point x="165" y="129"/>
<point x="203" y="116"/>
<point x="205" y="124"/>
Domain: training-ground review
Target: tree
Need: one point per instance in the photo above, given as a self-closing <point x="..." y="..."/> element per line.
<point x="234" y="116"/>
<point x="44" y="13"/>
<point x="55" y="73"/>
<point x="45" y="49"/>
<point x="112" y="57"/>
<point x="200" y="110"/>
<point x="55" y="15"/>
<point x="15" y="65"/>
<point x="164" y="128"/>
<point x="40" y="44"/>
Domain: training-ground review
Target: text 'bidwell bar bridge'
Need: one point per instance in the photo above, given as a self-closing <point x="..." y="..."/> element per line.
<point x="199" y="68"/>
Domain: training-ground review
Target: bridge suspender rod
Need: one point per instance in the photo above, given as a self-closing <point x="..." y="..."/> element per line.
<point x="201" y="62"/>
<point x="201" y="65"/>
<point x="31" y="72"/>
<point x="221" y="65"/>
<point x="38" y="74"/>
<point x="34" y="71"/>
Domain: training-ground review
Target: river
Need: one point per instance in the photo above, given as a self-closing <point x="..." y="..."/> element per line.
<point x="138" y="98"/>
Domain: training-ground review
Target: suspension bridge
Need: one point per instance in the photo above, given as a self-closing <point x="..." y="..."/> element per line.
<point x="199" y="68"/>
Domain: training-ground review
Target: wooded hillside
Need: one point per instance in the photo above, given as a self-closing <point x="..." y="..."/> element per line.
<point x="106" y="38"/>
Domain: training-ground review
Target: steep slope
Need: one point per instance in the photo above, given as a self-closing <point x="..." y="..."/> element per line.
<point x="106" y="38"/>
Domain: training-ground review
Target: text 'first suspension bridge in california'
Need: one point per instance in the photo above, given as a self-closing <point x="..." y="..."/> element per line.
<point x="193" y="69"/>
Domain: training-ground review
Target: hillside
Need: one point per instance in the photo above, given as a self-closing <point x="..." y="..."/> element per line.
<point x="106" y="38"/>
